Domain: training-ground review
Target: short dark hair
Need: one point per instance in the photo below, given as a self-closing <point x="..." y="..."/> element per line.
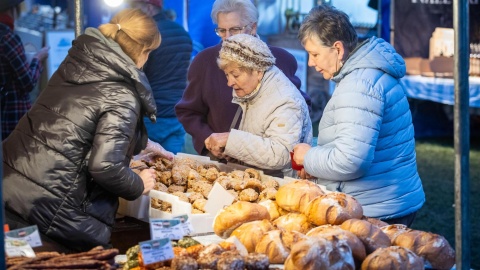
<point x="328" y="24"/>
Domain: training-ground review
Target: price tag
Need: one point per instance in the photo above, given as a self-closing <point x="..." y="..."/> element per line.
<point x="18" y="248"/>
<point x="166" y="228"/>
<point x="29" y="234"/>
<point x="186" y="224"/>
<point x="156" y="250"/>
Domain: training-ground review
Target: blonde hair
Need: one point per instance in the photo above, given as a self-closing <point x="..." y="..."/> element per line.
<point x="135" y="32"/>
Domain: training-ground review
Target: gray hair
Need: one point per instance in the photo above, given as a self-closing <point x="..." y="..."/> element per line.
<point x="328" y="24"/>
<point x="247" y="10"/>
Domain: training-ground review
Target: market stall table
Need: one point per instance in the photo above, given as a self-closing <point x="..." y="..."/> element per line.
<point x="439" y="90"/>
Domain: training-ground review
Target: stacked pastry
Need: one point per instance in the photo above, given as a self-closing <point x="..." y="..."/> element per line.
<point x="304" y="227"/>
<point x="192" y="181"/>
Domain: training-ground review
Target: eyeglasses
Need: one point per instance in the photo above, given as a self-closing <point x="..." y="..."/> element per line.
<point x="221" y="32"/>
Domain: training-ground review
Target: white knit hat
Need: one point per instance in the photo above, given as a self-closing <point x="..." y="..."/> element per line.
<point x="247" y="51"/>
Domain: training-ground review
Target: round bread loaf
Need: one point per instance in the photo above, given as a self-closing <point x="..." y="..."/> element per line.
<point x="276" y="244"/>
<point x="433" y="248"/>
<point x="234" y="215"/>
<point x="392" y="231"/>
<point x="295" y="195"/>
<point x="375" y="221"/>
<point x="393" y="258"/>
<point x="371" y="236"/>
<point x="318" y="253"/>
<point x="333" y="208"/>
<point x="251" y="232"/>
<point x="293" y="222"/>
<point x="357" y="247"/>
<point x="272" y="208"/>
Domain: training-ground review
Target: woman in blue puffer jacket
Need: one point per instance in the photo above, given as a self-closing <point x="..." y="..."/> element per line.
<point x="366" y="145"/>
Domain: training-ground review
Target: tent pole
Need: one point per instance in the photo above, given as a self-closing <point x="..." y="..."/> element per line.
<point x="461" y="134"/>
<point x="78" y="17"/>
<point x="392" y="22"/>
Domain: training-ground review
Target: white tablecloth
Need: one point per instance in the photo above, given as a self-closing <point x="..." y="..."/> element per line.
<point x="439" y="89"/>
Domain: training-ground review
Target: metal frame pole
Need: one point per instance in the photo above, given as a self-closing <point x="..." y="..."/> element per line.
<point x="462" y="134"/>
<point x="78" y="17"/>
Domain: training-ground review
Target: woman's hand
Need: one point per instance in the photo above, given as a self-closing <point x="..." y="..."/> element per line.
<point x="216" y="143"/>
<point x="148" y="178"/>
<point x="157" y="150"/>
<point x="299" y="152"/>
<point x="42" y="54"/>
<point x="302" y="174"/>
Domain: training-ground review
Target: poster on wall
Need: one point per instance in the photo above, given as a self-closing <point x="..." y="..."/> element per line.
<point x="60" y="42"/>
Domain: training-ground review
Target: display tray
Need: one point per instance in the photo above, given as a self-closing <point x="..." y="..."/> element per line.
<point x="202" y="223"/>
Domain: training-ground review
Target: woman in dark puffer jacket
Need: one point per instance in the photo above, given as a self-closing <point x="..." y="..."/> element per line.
<point x="67" y="161"/>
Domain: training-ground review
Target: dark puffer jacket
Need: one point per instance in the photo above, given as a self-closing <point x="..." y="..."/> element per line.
<point x="67" y="161"/>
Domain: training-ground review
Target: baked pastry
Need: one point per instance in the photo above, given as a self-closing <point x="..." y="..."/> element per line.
<point x="272" y="208"/>
<point x="276" y="244"/>
<point x="393" y="258"/>
<point x="392" y="231"/>
<point x="256" y="261"/>
<point x="370" y="235"/>
<point x="293" y="222"/>
<point x="318" y="253"/>
<point x="355" y="244"/>
<point x="234" y="215"/>
<point x="296" y="195"/>
<point x="251" y="232"/>
<point x="433" y="248"/>
<point x="230" y="260"/>
<point x="375" y="221"/>
<point x="184" y="263"/>
<point x="333" y="208"/>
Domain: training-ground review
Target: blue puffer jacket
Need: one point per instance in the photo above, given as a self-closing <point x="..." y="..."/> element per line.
<point x="366" y="145"/>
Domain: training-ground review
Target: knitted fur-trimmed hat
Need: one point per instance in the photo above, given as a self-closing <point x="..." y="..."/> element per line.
<point x="247" y="51"/>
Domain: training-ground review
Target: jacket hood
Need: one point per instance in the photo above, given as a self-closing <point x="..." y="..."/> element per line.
<point x="374" y="53"/>
<point x="95" y="58"/>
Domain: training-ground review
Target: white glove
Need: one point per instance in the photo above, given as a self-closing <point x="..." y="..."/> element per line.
<point x="157" y="150"/>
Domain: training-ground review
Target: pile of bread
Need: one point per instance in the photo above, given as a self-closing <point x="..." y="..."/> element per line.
<point x="192" y="181"/>
<point x="306" y="228"/>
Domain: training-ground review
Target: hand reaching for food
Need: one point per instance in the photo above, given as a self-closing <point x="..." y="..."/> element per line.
<point x="157" y="150"/>
<point x="216" y="143"/>
<point x="148" y="178"/>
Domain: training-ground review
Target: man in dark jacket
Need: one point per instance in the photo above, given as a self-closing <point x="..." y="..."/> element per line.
<point x="206" y="106"/>
<point x="166" y="70"/>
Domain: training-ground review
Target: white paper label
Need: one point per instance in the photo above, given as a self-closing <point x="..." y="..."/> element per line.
<point x="29" y="234"/>
<point x="156" y="250"/>
<point x="218" y="198"/>
<point x="186" y="224"/>
<point x="166" y="228"/>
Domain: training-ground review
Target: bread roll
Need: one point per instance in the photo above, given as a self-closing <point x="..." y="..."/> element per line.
<point x="295" y="195"/>
<point x="272" y="208"/>
<point x="393" y="258"/>
<point x="276" y="244"/>
<point x="234" y="215"/>
<point x="333" y="208"/>
<point x="371" y="236"/>
<point x="357" y="247"/>
<point x="433" y="248"/>
<point x="392" y="231"/>
<point x="251" y="232"/>
<point x="318" y="253"/>
<point x="293" y="222"/>
<point x="375" y="221"/>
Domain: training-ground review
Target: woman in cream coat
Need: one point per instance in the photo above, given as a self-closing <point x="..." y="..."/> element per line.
<point x="274" y="114"/>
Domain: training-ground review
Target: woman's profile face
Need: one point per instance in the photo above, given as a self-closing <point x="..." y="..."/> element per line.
<point x="325" y="60"/>
<point x="243" y="82"/>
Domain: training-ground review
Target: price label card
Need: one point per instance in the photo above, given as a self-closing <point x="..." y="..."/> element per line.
<point x="166" y="228"/>
<point x="18" y="248"/>
<point x="29" y="234"/>
<point x="156" y="250"/>
<point x="186" y="224"/>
